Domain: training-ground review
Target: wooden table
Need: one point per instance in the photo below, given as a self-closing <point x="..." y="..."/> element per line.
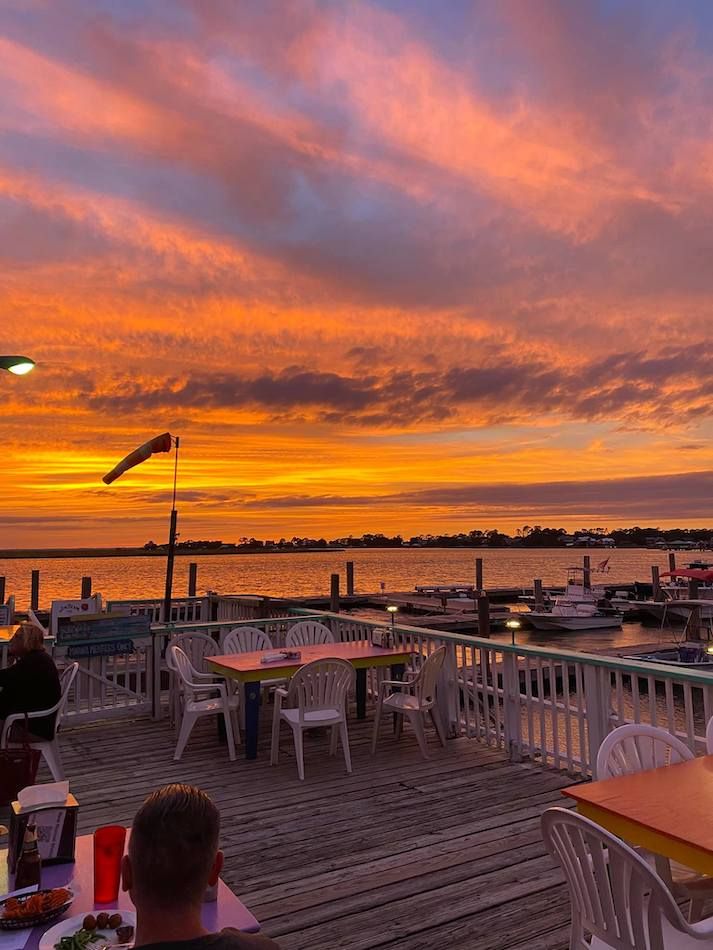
<point x="227" y="911"/>
<point x="248" y="670"/>
<point x="668" y="810"/>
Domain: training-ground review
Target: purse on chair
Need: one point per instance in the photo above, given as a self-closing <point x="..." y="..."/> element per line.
<point x="18" y="767"/>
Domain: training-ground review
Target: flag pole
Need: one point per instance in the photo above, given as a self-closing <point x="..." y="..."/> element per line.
<point x="171" y="545"/>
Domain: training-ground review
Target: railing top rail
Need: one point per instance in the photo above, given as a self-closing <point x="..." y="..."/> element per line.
<point x="208" y="625"/>
<point x="658" y="670"/>
<point x="175" y="601"/>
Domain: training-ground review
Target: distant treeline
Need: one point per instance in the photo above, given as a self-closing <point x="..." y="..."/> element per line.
<point x="529" y="536"/>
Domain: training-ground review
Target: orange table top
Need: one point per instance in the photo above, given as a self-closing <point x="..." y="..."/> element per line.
<point x="247" y="666"/>
<point x="675" y="801"/>
<point x="8" y="632"/>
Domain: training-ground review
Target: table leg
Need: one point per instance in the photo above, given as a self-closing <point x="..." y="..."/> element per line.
<point x="361" y="693"/>
<point x="251" y="698"/>
<point x="397" y="673"/>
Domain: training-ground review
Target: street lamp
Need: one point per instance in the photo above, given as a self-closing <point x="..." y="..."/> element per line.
<point x="513" y="626"/>
<point x="19" y="365"/>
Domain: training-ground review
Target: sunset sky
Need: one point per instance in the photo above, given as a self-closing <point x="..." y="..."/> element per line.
<point x="399" y="266"/>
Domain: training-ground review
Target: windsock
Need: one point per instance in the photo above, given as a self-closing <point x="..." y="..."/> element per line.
<point x="162" y="443"/>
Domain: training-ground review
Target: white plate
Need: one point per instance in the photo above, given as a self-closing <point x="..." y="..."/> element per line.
<point x="69" y="926"/>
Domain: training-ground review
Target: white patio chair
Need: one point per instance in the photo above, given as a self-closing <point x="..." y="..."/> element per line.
<point x="415" y="698"/>
<point x="48" y="747"/>
<point x="617" y="900"/>
<point x="315" y="698"/>
<point x="196" y="686"/>
<point x="196" y="646"/>
<point x="709" y="736"/>
<point x="636" y="747"/>
<point x="308" y="633"/>
<point x="34" y="619"/>
<point x="246" y="640"/>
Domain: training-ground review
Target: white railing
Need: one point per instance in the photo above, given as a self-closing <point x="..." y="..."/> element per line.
<point x="549" y="706"/>
<point x="183" y="610"/>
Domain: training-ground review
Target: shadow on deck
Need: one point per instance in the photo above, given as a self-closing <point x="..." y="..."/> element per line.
<point x="404" y="853"/>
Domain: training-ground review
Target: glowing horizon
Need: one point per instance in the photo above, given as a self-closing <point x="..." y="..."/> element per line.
<point x="383" y="267"/>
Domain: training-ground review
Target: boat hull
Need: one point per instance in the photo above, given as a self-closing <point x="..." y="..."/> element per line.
<point x="545" y="621"/>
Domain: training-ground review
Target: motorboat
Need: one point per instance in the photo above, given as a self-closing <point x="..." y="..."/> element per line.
<point x="573" y="615"/>
<point x="690" y="656"/>
<point x="677" y="604"/>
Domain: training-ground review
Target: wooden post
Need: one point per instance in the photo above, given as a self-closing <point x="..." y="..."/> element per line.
<point x="693" y="626"/>
<point x="539" y="597"/>
<point x="672" y="560"/>
<point x="2" y="591"/>
<point x="86" y="587"/>
<point x="479" y="573"/>
<point x="192" y="578"/>
<point x="483" y="616"/>
<point x="693" y="586"/>
<point x="350" y="578"/>
<point x="334" y="594"/>
<point x="587" y="574"/>
<point x="655" y="582"/>
<point x="35" y="591"/>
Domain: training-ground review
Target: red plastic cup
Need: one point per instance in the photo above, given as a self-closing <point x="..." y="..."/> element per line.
<point x="108" y="852"/>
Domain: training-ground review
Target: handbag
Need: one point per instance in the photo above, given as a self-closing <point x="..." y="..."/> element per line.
<point x="18" y="767"/>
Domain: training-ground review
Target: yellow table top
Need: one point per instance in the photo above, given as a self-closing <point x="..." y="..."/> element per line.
<point x="8" y="632"/>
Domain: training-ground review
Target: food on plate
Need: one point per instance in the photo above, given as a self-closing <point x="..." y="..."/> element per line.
<point x="114" y="921"/>
<point x="17" y="908"/>
<point x="80" y="940"/>
<point x="125" y="933"/>
<point x="103" y="919"/>
<point x="89" y="922"/>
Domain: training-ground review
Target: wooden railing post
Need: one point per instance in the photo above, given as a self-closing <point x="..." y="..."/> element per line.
<point x="597" y="697"/>
<point x="447" y="693"/>
<point x="512" y="719"/>
<point x="153" y="677"/>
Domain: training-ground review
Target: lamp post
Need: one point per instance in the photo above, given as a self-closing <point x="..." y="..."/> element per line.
<point x="392" y="609"/>
<point x="17" y="365"/>
<point x="513" y="626"/>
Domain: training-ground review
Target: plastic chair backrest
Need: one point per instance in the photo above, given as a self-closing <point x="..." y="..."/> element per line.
<point x="246" y="640"/>
<point x="636" y="747"/>
<point x="196" y="646"/>
<point x="425" y="683"/>
<point x="183" y="666"/>
<point x="614" y="894"/>
<point x="709" y="736"/>
<point x="307" y="633"/>
<point x="321" y="685"/>
<point x="66" y="680"/>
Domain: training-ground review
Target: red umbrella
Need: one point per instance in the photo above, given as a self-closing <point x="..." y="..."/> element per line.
<point x="694" y="573"/>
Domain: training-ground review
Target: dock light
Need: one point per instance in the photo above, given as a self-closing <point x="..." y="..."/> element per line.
<point x="18" y="365"/>
<point x="392" y="608"/>
<point x="513" y="625"/>
<point x="709" y="649"/>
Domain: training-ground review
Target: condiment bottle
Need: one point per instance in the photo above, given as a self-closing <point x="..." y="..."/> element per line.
<point x="29" y="867"/>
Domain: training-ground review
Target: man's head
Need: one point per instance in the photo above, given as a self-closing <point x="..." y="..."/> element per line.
<point x="173" y="849"/>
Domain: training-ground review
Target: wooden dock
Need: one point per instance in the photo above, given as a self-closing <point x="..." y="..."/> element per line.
<point x="405" y="853"/>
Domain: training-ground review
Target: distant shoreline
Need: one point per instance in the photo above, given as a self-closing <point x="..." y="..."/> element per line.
<point x="20" y="554"/>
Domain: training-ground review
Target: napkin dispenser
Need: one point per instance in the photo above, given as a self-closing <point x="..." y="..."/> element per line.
<point x="53" y="809"/>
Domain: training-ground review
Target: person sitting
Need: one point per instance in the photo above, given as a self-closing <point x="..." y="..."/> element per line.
<point x="31" y="683"/>
<point x="173" y="857"/>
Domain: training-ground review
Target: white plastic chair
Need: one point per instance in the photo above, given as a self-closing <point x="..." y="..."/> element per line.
<point x="315" y="698"/>
<point x="34" y="619"/>
<point x="637" y="747"/>
<point x="308" y="633"/>
<point x="246" y="640"/>
<point x="617" y="901"/>
<point x="709" y="736"/>
<point x="415" y="698"/>
<point x="196" y="646"/>
<point x="196" y="685"/>
<point x="48" y="747"/>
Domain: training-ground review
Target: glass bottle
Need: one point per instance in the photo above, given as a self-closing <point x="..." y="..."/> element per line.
<point x="29" y="867"/>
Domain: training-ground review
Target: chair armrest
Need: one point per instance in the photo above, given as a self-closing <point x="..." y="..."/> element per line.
<point x="401" y="684"/>
<point x="703" y="930"/>
<point x="281" y="692"/>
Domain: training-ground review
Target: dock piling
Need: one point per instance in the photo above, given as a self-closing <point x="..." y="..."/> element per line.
<point x="350" y="578"/>
<point x="192" y="578"/>
<point x="2" y="591"/>
<point x="672" y="560"/>
<point x="35" y="591"/>
<point x="587" y="573"/>
<point x="483" y="615"/>
<point x="655" y="582"/>
<point x="539" y="598"/>
<point x="86" y="588"/>
<point x="479" y="573"/>
<point x="334" y="594"/>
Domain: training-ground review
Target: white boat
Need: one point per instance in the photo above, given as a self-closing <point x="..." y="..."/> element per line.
<point x="572" y="615"/>
<point x="690" y="656"/>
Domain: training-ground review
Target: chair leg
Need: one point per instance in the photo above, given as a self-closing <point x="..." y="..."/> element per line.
<point x="377" y="720"/>
<point x="399" y="725"/>
<point x="275" y="745"/>
<point x="438" y="723"/>
<point x="344" y="735"/>
<point x="229" y="730"/>
<point x="333" y="740"/>
<point x="187" y="724"/>
<point x="299" y="752"/>
<point x="417" y="723"/>
<point x="53" y="759"/>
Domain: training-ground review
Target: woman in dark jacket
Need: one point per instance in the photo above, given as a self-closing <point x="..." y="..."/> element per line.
<point x="31" y="683"/>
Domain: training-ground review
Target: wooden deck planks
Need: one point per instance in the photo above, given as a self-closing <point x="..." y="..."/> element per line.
<point x="402" y="853"/>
